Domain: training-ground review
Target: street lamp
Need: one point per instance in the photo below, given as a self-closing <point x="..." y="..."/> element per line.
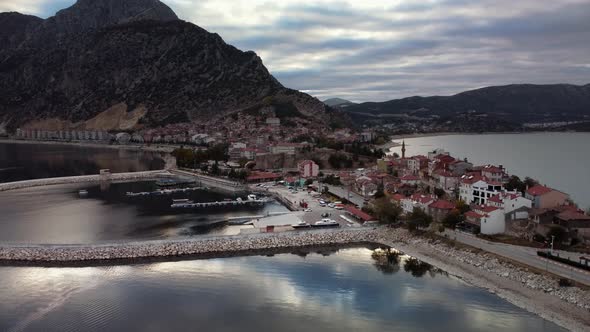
<point x="552" y="239"/>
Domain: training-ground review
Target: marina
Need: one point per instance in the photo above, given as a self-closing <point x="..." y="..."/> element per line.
<point x="161" y="192"/>
<point x="251" y="201"/>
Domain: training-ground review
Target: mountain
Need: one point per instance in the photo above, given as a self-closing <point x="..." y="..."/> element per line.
<point x="338" y="102"/>
<point x="111" y="64"/>
<point x="517" y="103"/>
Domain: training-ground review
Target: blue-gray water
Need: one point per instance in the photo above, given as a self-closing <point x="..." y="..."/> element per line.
<point x="34" y="161"/>
<point x="340" y="292"/>
<point x="559" y="160"/>
<point x="57" y="214"/>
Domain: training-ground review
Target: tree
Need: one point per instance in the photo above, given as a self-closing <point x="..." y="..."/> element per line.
<point x="439" y="192"/>
<point x="386" y="211"/>
<point x="453" y="218"/>
<point x="462" y="206"/>
<point x="215" y="168"/>
<point x="380" y="193"/>
<point x="559" y="234"/>
<point x="529" y="182"/>
<point x="419" y="218"/>
<point x="308" y="182"/>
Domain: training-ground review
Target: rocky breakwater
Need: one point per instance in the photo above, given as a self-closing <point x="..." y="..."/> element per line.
<point x="180" y="247"/>
<point x="80" y="179"/>
<point x="492" y="264"/>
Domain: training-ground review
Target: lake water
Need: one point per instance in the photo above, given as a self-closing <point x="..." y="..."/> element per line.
<point x="343" y="291"/>
<point x="34" y="161"/>
<point x="559" y="160"/>
<point x="56" y="214"/>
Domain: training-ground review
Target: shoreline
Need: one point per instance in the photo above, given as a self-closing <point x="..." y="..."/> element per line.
<point x="570" y="309"/>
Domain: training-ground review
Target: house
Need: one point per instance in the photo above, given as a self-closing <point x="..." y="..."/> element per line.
<point x="513" y="204"/>
<point x="576" y="221"/>
<point x="490" y="219"/>
<point x="263" y="177"/>
<point x="437" y="152"/>
<point x="460" y="167"/>
<point x="475" y="189"/>
<point x="286" y="148"/>
<point x="416" y="200"/>
<point x="411" y="180"/>
<point x="365" y="186"/>
<point x="308" y="169"/>
<point x="440" y="209"/>
<point x="446" y="180"/>
<point x="273" y="122"/>
<point x="416" y="163"/>
<point x="494" y="173"/>
<point x="545" y="197"/>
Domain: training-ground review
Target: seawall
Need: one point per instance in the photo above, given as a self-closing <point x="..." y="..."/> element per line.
<point x="80" y="179"/>
<point x="181" y="247"/>
<point x="214" y="182"/>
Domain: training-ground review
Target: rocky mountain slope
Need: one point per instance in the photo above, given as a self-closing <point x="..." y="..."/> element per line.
<point x="132" y="55"/>
<point x="518" y="103"/>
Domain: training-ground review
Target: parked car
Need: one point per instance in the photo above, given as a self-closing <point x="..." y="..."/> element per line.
<point x="307" y="210"/>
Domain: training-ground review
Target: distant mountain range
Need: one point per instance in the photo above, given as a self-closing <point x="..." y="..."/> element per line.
<point x="338" y="102"/>
<point x="517" y="103"/>
<point x="111" y="64"/>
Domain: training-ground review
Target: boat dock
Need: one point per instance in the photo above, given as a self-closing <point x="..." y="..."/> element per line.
<point x="160" y="192"/>
<point x="187" y="204"/>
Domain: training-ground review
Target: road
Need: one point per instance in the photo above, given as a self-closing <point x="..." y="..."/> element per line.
<point x="524" y="255"/>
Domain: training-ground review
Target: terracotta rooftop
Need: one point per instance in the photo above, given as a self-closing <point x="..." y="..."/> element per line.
<point x="358" y="213"/>
<point x="538" y="190"/>
<point x="442" y="205"/>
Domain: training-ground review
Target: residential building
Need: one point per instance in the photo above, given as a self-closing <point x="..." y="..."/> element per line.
<point x="411" y="180"/>
<point x="440" y="209"/>
<point x="494" y="173"/>
<point x="273" y="122"/>
<point x="416" y="163"/>
<point x="475" y="189"/>
<point x="416" y="201"/>
<point x="446" y="180"/>
<point x="286" y="148"/>
<point x="460" y="167"/>
<point x="308" y="169"/>
<point x="490" y="219"/>
<point x="513" y="204"/>
<point x="545" y="197"/>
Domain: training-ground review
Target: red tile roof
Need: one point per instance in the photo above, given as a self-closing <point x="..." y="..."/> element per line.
<point x="263" y="176"/>
<point x="486" y="208"/>
<point x="471" y="179"/>
<point x="421" y="198"/>
<point x="538" y="190"/>
<point x="397" y="197"/>
<point x="358" y="213"/>
<point x="495" y="199"/>
<point x="571" y="215"/>
<point x="442" y="205"/>
<point x="472" y="214"/>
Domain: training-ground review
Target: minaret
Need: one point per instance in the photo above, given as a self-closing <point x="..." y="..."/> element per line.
<point x="403" y="149"/>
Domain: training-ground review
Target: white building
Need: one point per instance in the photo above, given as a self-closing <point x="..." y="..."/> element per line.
<point x="491" y="219"/>
<point x="308" y="169"/>
<point x="494" y="173"/>
<point x="512" y="203"/>
<point x="416" y="201"/>
<point x="475" y="189"/>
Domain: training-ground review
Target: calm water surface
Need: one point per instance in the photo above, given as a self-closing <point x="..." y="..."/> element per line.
<point x="340" y="292"/>
<point x="56" y="214"/>
<point x="34" y="161"/>
<point x="559" y="160"/>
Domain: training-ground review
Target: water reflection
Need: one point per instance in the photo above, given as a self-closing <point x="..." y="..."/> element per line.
<point x="388" y="261"/>
<point x="31" y="161"/>
<point x="285" y="292"/>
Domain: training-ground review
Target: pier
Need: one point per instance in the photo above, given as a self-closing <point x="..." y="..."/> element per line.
<point x="161" y="192"/>
<point x="237" y="202"/>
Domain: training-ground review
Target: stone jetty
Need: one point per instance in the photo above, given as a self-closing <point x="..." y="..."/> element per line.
<point x="184" y="246"/>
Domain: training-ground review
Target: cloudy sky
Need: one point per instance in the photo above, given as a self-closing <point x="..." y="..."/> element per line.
<point x="381" y="50"/>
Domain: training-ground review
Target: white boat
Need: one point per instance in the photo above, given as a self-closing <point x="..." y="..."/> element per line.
<point x="83" y="193"/>
<point x="301" y="224"/>
<point x="252" y="197"/>
<point x="326" y="222"/>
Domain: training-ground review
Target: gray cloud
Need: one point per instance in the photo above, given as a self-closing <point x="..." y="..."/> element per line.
<point x="374" y="51"/>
